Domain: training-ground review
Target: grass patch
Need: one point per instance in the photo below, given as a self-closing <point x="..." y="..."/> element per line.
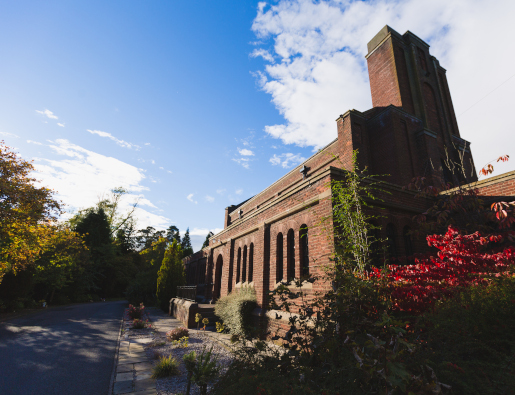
<point x="165" y="367"/>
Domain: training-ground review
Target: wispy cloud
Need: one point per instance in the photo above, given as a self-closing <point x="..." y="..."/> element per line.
<point x="6" y="134"/>
<point x="245" y="152"/>
<point x="60" y="124"/>
<point x="121" y="143"/>
<point x="210" y="199"/>
<point x="204" y="231"/>
<point x="260" y="52"/>
<point x="47" y="113"/>
<point x="80" y="176"/>
<point x="287" y="160"/>
<point x="190" y="198"/>
<point x="220" y="191"/>
<point x="34" y="142"/>
<point x="239" y="191"/>
<point x="243" y="162"/>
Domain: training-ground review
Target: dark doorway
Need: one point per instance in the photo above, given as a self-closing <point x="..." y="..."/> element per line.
<point x="218" y="276"/>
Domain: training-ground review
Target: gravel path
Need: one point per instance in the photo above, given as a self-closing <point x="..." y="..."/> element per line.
<point x="158" y="345"/>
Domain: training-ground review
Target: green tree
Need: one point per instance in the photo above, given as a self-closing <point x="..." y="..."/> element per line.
<point x="187" y="249"/>
<point x="170" y="275"/>
<point x="172" y="233"/>
<point x="206" y="242"/>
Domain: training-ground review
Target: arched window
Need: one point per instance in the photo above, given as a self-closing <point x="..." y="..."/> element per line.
<point x="251" y="262"/>
<point x="238" y="266"/>
<point x="390" y="240"/>
<point x="291" y="253"/>
<point x="244" y="266"/>
<point x="279" y="259"/>
<point x="304" y="249"/>
<point x="407" y="241"/>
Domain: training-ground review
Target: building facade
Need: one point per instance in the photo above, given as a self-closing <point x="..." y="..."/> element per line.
<point x="285" y="231"/>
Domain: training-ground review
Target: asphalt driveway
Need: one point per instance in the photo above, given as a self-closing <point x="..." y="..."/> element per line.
<point x="64" y="350"/>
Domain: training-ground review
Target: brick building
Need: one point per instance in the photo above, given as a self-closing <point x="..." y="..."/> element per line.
<point x="410" y="131"/>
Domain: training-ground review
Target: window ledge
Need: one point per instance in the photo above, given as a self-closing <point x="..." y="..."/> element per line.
<point x="246" y="283"/>
<point x="291" y="285"/>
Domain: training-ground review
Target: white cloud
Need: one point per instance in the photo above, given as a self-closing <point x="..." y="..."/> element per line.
<point x="245" y="152"/>
<point x="60" y="124"/>
<point x="121" y="143"/>
<point x="34" y="142"/>
<point x="203" y="231"/>
<point x="147" y="143"/>
<point x="47" y="113"/>
<point x="320" y="70"/>
<point x="263" y="53"/>
<point x="169" y="171"/>
<point x="239" y="191"/>
<point x="6" y="134"/>
<point x="287" y="160"/>
<point x="210" y="198"/>
<point x="190" y="198"/>
<point x="82" y="176"/>
<point x="220" y="191"/>
<point x="153" y="161"/>
<point x="242" y="161"/>
<point x="162" y="168"/>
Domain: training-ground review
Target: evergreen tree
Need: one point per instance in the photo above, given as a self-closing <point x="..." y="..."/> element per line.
<point x="172" y="233"/>
<point x="187" y="249"/>
<point x="206" y="242"/>
<point x="170" y="275"/>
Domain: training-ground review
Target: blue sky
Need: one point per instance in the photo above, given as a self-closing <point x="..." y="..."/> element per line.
<point x="197" y="105"/>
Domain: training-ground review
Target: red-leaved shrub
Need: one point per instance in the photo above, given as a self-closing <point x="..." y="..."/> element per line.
<point x="462" y="261"/>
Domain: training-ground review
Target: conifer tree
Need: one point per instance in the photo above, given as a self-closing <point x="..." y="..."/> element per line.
<point x="187" y="249"/>
<point x="172" y="233"/>
<point x="206" y="242"/>
<point x="170" y="275"/>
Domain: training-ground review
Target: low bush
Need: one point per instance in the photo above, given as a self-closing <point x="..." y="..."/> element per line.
<point x="140" y="324"/>
<point x="177" y="333"/>
<point x="136" y="312"/>
<point x="165" y="367"/>
<point x="235" y="310"/>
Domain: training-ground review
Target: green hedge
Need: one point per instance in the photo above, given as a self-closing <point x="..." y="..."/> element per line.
<point x="235" y="310"/>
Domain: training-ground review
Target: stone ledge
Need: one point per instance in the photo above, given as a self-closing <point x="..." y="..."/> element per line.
<point x="184" y="311"/>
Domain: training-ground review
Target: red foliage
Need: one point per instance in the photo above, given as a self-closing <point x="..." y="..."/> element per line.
<point x="462" y="261"/>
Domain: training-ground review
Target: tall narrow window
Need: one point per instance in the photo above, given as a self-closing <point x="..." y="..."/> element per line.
<point x="291" y="254"/>
<point x="304" y="250"/>
<point x="407" y="241"/>
<point x="244" y="266"/>
<point x="279" y="259"/>
<point x="238" y="266"/>
<point x="251" y="262"/>
<point x="390" y="240"/>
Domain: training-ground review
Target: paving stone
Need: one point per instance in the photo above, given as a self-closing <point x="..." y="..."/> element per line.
<point x="123" y="387"/>
<point x="125" y="376"/>
<point x="148" y="391"/>
<point x="143" y="375"/>
<point x="128" y="367"/>
<point x="143" y="366"/>
<point x="145" y="384"/>
<point x="133" y="360"/>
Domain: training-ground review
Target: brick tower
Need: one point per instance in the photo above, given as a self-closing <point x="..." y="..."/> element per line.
<point x="404" y="74"/>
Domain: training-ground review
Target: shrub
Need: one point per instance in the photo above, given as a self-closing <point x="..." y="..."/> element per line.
<point x="205" y="370"/>
<point x="181" y="343"/>
<point x="140" y="324"/>
<point x="165" y="367"/>
<point x="177" y="333"/>
<point x="136" y="312"/>
<point x="235" y="310"/>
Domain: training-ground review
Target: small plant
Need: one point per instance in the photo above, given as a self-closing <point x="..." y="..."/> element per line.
<point x="220" y="327"/>
<point x="190" y="361"/>
<point x="235" y="338"/>
<point x="198" y="319"/>
<point x="165" y="367"/>
<point x="177" y="333"/>
<point x="205" y="370"/>
<point x="181" y="343"/>
<point x="136" y="312"/>
<point x="140" y="324"/>
<point x="205" y="321"/>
